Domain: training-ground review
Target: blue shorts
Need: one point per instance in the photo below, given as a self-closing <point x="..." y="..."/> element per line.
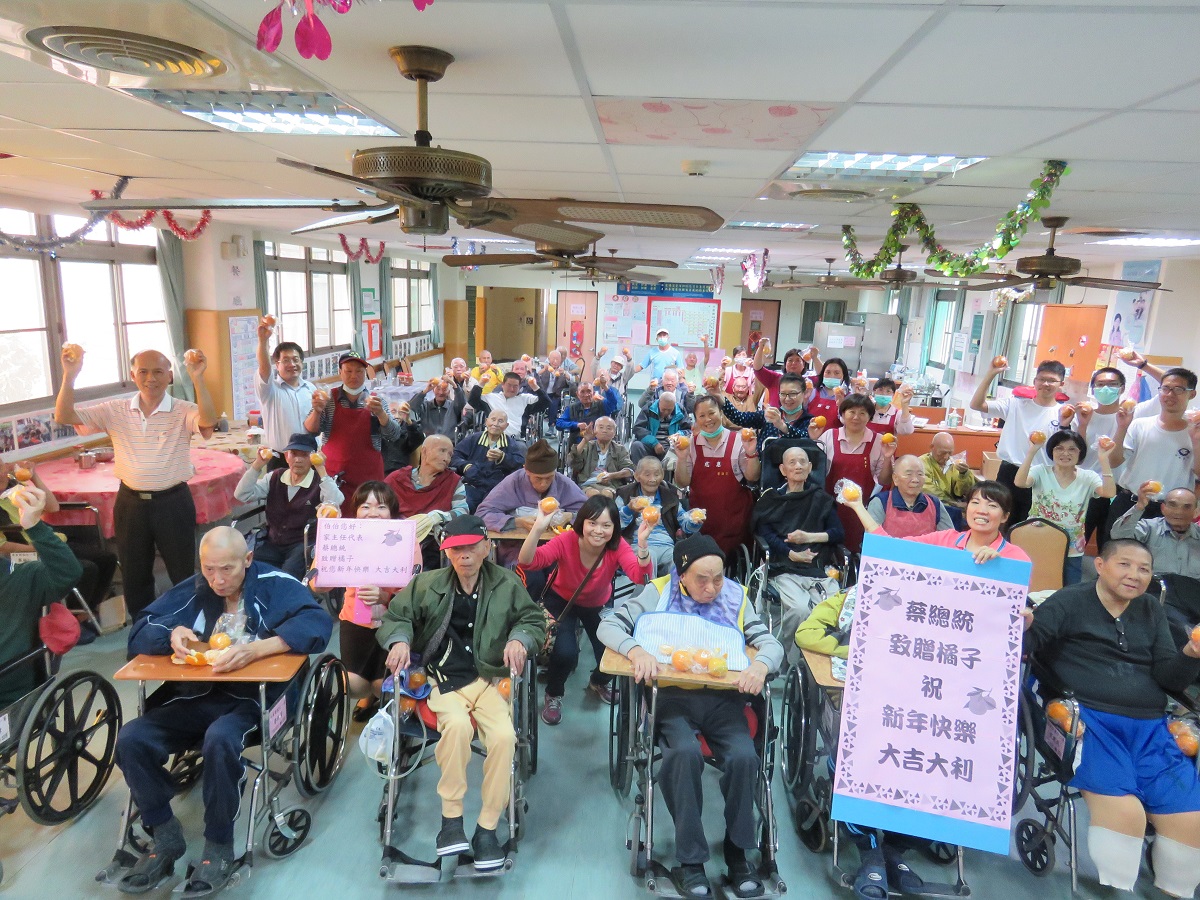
<point x="1139" y="757"/>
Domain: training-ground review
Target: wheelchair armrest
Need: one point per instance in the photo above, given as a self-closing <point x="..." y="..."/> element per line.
<point x="77" y="505"/>
<point x="260" y="510"/>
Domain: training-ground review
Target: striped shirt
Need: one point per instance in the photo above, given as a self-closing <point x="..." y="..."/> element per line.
<point x="283" y="408"/>
<point x="150" y="453"/>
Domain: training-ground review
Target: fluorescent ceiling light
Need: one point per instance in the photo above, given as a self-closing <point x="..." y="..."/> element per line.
<point x="743" y="251"/>
<point x="1149" y="242"/>
<point x="778" y="226"/>
<point x="880" y="167"/>
<point x="715" y="258"/>
<point x="269" y="112"/>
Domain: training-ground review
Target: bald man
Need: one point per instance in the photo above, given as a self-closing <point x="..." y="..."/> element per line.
<point x="947" y="480"/>
<point x="151" y="434"/>
<point x="271" y="613"/>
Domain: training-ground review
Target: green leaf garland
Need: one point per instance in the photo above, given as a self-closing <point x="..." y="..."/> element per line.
<point x="909" y="218"/>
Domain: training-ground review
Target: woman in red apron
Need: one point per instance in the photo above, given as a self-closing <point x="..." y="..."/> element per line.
<point x="707" y="467"/>
<point x="348" y="448"/>
<point x="866" y="456"/>
<point x="905" y="510"/>
<point x="832" y="387"/>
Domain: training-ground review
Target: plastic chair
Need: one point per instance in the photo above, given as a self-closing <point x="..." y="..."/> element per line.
<point x="1046" y="544"/>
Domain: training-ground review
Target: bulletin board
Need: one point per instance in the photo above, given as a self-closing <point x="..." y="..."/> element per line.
<point x="685" y="309"/>
<point x="686" y="319"/>
<point x="625" y="320"/>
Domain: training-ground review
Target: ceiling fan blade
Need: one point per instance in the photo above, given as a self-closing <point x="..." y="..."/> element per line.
<point x="641" y="276"/>
<point x="862" y="284"/>
<point x="628" y="261"/>
<point x="992" y="276"/>
<point x="396" y="195"/>
<point x="1112" y="284"/>
<point x="462" y="260"/>
<point x="103" y="205"/>
<point x="369" y="217"/>
<point x="644" y="215"/>
<point x="1011" y="282"/>
<point x="607" y="265"/>
<point x="553" y="234"/>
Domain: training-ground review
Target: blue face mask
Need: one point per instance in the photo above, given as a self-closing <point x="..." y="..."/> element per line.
<point x="831" y="383"/>
<point x="882" y="400"/>
<point x="713" y="434"/>
<point x="1106" y="395"/>
<point x="663" y="342"/>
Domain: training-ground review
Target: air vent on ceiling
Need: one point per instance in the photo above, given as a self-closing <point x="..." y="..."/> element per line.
<point x="830" y="195"/>
<point x="126" y="52"/>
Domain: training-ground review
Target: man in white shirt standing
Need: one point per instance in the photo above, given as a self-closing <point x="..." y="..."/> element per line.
<point x="511" y="401"/>
<point x="1022" y="416"/>
<point x="284" y="398"/>
<point x="1165" y="449"/>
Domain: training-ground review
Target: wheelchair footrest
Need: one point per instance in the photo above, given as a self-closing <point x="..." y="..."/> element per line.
<point x="122" y="862"/>
<point x="930" y="889"/>
<point x="658" y="881"/>
<point x="397" y="867"/>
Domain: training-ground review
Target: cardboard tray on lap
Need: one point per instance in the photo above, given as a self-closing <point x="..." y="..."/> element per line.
<point x="278" y="668"/>
<point x="613" y="663"/>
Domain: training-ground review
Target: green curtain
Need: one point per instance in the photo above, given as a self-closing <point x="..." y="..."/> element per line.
<point x="356" y="308"/>
<point x="435" y="330"/>
<point x="385" y="303"/>
<point x="170" y="273"/>
<point x="260" y="277"/>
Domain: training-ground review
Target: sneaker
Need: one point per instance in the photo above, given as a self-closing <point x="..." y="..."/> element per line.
<point x="604" y="692"/>
<point x="552" y="710"/>
<point x="452" y="839"/>
<point x="486" y="849"/>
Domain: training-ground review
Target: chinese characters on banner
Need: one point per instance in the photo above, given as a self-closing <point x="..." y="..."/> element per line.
<point x="364" y="552"/>
<point x="929" y="715"/>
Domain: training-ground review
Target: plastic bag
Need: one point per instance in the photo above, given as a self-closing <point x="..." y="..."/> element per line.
<point x="846" y="490"/>
<point x="234" y="625"/>
<point x="376" y="739"/>
<point x="960" y="457"/>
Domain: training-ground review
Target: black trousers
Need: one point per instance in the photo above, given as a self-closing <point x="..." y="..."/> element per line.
<point x="1095" y="520"/>
<point x="145" y="522"/>
<point x="1022" y="497"/>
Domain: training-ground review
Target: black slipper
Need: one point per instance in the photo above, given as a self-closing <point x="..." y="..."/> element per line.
<point x="210" y="877"/>
<point x="363" y="713"/>
<point x="900" y="876"/>
<point x="743" y="880"/>
<point x="148" y="873"/>
<point x="690" y="881"/>
<point x="871" y="881"/>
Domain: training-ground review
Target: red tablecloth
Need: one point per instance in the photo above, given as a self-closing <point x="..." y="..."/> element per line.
<point x="217" y="474"/>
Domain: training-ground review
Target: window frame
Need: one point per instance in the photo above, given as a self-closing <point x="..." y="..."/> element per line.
<point x="410" y="273"/>
<point x="949" y="328"/>
<point x="308" y="266"/>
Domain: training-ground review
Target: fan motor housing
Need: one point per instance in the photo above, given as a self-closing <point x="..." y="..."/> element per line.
<point x="429" y="172"/>
<point x="1052" y="266"/>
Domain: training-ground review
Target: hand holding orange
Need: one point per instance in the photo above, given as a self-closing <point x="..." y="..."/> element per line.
<point x="651" y="515"/>
<point x="888" y="438"/>
<point x="1037" y="437"/>
<point x="22" y="474"/>
<point x="818" y="422"/>
<point x="317" y="459"/>
<point x="548" y="505"/>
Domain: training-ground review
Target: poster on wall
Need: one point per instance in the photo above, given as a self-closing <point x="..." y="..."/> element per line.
<point x="372" y="335"/>
<point x="243" y="342"/>
<point x="1131" y="310"/>
<point x="625" y="320"/>
<point x="370" y="303"/>
<point x="929" y="715"/>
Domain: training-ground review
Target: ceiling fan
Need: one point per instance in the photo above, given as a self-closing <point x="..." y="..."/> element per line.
<point x="546" y="256"/>
<point x="422" y="186"/>
<point x="1047" y="271"/>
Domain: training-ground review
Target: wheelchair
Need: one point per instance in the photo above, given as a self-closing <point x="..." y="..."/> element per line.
<point x="633" y="752"/>
<point x="1048" y="752"/>
<point x="58" y="743"/>
<point x="414" y="734"/>
<point x="810" y="716"/>
<point x="305" y="744"/>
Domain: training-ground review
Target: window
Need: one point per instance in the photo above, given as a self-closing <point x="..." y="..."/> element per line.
<point x="819" y="311"/>
<point x="308" y="291"/>
<point x="1020" y="341"/>
<point x="943" y="320"/>
<point x="104" y="294"/>
<point x="412" y="298"/>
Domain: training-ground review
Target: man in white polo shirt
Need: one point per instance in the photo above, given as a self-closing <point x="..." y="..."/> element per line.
<point x="284" y="398"/>
<point x="151" y="434"/>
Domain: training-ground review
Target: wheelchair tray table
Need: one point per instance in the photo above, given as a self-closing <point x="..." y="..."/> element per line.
<point x="278" y="668"/>
<point x="822" y="670"/>
<point x="613" y="663"/>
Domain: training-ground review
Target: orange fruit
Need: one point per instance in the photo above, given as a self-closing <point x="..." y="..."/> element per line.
<point x="818" y="421"/>
<point x="888" y="439"/>
<point x="1058" y="711"/>
<point x="682" y="442"/>
<point x="702" y="658"/>
<point x="328" y="511"/>
<point x="833" y="572"/>
<point x="637" y="504"/>
<point x="681" y="660"/>
<point x="548" y="505"/>
<point x="718" y="666"/>
<point x="1196" y="635"/>
<point x="416" y="680"/>
<point x="712" y="382"/>
<point x="726" y="361"/>
<point x="22" y="474"/>
<point x="196" y="659"/>
<point x="504" y="686"/>
<point x="1106" y="443"/>
<point x="219" y="640"/>
<point x="651" y="515"/>
<point x="999" y="362"/>
<point x="699" y="515"/>
<point x="747" y="434"/>
<point x="1188" y="743"/>
<point x="317" y="459"/>
<point x="191" y="356"/>
<point x="269" y="320"/>
<point x="851" y="493"/>
<point x="1155" y="487"/>
<point x="1177" y="726"/>
<point x="1128" y="405"/>
<point x="407" y="706"/>
<point x="1037" y="437"/>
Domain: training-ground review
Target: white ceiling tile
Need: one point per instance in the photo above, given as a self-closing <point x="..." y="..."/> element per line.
<point x="1186" y="100"/>
<point x="211" y="146"/>
<point x="702" y="189"/>
<point x="1158" y="136"/>
<point x="491" y="117"/>
<point x="16" y="69"/>
<point x="137" y="167"/>
<point x="526" y="155"/>
<point x="513" y="183"/>
<point x="942" y="130"/>
<point x="87" y="106"/>
<point x="656" y="49"/>
<point x="42" y="143"/>
<point x="987" y="55"/>
<point x="668" y="161"/>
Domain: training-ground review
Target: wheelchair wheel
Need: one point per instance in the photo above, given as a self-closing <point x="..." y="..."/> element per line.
<point x="637" y="848"/>
<point x="740" y="565"/>
<point x="67" y="747"/>
<point x="1026" y="759"/>
<point x="284" y="840"/>
<point x="323" y="715"/>
<point x="799" y="731"/>
<point x="1035" y="846"/>
<point x="527" y="725"/>
<point x="812" y="826"/>
<point x="620" y="739"/>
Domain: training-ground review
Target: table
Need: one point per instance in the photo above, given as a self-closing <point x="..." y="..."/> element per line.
<point x="234" y="441"/>
<point x="613" y="663"/>
<point x="974" y="440"/>
<point x="217" y="474"/>
<point x="822" y="670"/>
<point x="281" y="667"/>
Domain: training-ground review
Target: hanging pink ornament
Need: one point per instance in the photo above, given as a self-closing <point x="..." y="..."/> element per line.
<point x="422" y="4"/>
<point x="340" y="6"/>
<point x="312" y="37"/>
<point x="270" y="30"/>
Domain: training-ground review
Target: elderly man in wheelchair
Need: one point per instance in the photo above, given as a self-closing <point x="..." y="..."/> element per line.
<point x="696" y="587"/>
<point x="1107" y="644"/>
<point x="264" y="612"/>
<point x="470" y="625"/>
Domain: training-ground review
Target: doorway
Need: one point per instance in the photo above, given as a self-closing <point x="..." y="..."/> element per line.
<point x="760" y="315"/>
<point x="511" y="316"/>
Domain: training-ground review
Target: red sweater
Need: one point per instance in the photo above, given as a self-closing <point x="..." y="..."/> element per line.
<point x="564" y="550"/>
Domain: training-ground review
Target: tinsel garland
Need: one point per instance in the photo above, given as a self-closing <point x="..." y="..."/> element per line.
<point x="363" y="251"/>
<point x="49" y="245"/>
<point x="754" y="273"/>
<point x="184" y="234"/>
<point x="909" y="218"/>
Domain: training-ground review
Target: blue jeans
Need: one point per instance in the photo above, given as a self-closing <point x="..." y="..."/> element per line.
<point x="1073" y="570"/>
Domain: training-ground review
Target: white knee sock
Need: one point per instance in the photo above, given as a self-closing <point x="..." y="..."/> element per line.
<point x="1176" y="867"/>
<point x="1117" y="856"/>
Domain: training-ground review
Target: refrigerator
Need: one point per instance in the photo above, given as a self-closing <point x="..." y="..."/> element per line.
<point x="868" y="341"/>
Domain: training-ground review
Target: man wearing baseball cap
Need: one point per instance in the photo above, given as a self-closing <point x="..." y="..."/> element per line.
<point x="353" y="423"/>
<point x="697" y="587"/>
<point x="661" y="356"/>
<point x="468" y="626"/>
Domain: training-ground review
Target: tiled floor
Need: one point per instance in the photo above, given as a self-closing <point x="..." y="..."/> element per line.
<point x="574" y="847"/>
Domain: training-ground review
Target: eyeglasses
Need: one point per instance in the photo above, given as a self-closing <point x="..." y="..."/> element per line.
<point x="1172" y="391"/>
<point x="1048" y="382"/>
<point x="789" y="395"/>
<point x="1122" y="641"/>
